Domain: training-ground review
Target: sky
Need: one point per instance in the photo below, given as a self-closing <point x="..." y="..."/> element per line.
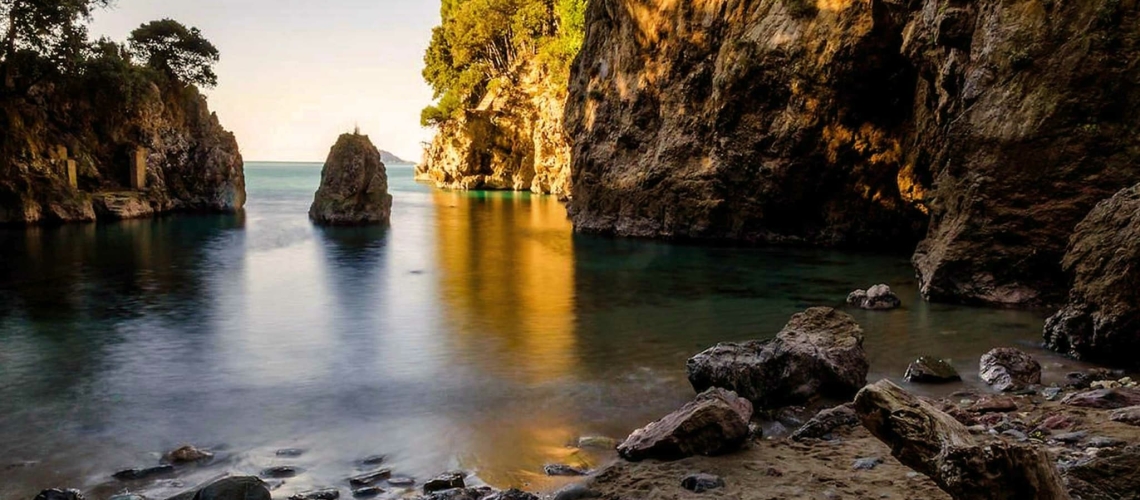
<point x="295" y="74"/>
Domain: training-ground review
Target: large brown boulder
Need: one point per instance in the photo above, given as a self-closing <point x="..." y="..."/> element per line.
<point x="1101" y="320"/>
<point x="354" y="185"/>
<point x="819" y="352"/>
<point x="714" y="423"/>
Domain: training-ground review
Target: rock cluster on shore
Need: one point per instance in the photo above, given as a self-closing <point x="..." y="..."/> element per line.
<point x="354" y="185"/>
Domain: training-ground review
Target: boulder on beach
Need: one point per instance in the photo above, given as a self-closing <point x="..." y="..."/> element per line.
<point x="228" y="488"/>
<point x="827" y="421"/>
<point x="819" y="353"/>
<point x="876" y="298"/>
<point x="1105" y="399"/>
<point x="354" y="185"/>
<point x="930" y="370"/>
<point x="1008" y="369"/>
<point x="714" y="423"/>
<point x="1101" y="320"/>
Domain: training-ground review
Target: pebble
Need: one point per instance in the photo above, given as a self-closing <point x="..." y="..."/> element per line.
<point x="367" y="492"/>
<point x="700" y="483"/>
<point x="868" y="463"/>
<point x="290" y="452"/>
<point x="281" y="472"/>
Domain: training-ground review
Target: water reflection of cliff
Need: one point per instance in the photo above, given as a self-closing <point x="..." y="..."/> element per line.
<point x="506" y="266"/>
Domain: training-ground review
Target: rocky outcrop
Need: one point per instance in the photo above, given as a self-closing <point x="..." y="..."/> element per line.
<point x="1101" y="321"/>
<point x="714" y="423"/>
<point x="1008" y="369"/>
<point x="189" y="163"/>
<point x="819" y="353"/>
<point x="868" y="124"/>
<point x="354" y="185"/>
<point x="514" y="140"/>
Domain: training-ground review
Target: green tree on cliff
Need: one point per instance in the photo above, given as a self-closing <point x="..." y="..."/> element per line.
<point x="177" y="51"/>
<point x="482" y="40"/>
<point x="42" y="36"/>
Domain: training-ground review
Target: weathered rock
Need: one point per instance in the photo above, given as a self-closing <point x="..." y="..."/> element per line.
<point x="1105" y="399"/>
<point x="1008" y="369"/>
<point x="928" y="370"/>
<point x="700" y="483"/>
<point x="187" y="454"/>
<point x="367" y="492"/>
<point x="281" y="471"/>
<point x="818" y="353"/>
<point x="1105" y="442"/>
<point x="445" y="481"/>
<point x="401" y="481"/>
<point x="513" y="494"/>
<point x="994" y="405"/>
<point x="1101" y="320"/>
<point x="1129" y="415"/>
<point x="877" y="298"/>
<point x="1112" y="475"/>
<point x="143" y="473"/>
<point x="562" y="470"/>
<point x="1070" y="437"/>
<point x="354" y="185"/>
<point x="321" y="494"/>
<point x="714" y="423"/>
<point x="575" y="492"/>
<point x="933" y="443"/>
<point x="369" y="478"/>
<point x="868" y="463"/>
<point x="479" y="493"/>
<point x="60" y="494"/>
<point x="826" y="422"/>
<point x="228" y="488"/>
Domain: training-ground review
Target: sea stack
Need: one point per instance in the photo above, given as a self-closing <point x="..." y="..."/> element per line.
<point x="354" y="185"/>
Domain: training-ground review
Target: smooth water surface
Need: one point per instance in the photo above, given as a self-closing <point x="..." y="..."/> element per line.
<point x="476" y="333"/>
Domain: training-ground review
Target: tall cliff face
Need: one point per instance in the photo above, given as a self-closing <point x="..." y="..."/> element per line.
<point x="513" y="140"/>
<point x="860" y="123"/>
<point x="190" y="162"/>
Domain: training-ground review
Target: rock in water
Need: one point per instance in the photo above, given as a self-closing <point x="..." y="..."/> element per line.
<point x="322" y="494"/>
<point x="445" y="481"/>
<point x="58" y="494"/>
<point x="1101" y="321"/>
<point x="1008" y="369"/>
<point x="714" y="423"/>
<point x="187" y="454"/>
<point x="877" y="298"/>
<point x="228" y="488"/>
<point x="354" y="185"/>
<point x="819" y="352"/>
<point x="928" y="370"/>
<point x="143" y="473"/>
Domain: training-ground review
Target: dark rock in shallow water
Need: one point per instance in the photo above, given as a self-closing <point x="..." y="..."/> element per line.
<point x="59" y="494"/>
<point x="877" y="298"/>
<point x="290" y="452"/>
<point x="1008" y="369"/>
<point x="827" y="421"/>
<point x="137" y="474"/>
<point x="1105" y="399"/>
<point x="187" y="454"/>
<point x="479" y="493"/>
<point x="929" y="370"/>
<point x="1112" y="475"/>
<point x="714" y="423"/>
<point x="562" y="470"/>
<point x="354" y="185"/>
<point x="818" y="353"/>
<point x="228" y="488"/>
<point x="445" y="481"/>
<point x="367" y="492"/>
<point x="513" y="494"/>
<point x="373" y="460"/>
<point x="1101" y="321"/>
<point x="281" y="472"/>
<point x="575" y="492"/>
<point x="401" y="481"/>
<point x="369" y="478"/>
<point x="321" y="494"/>
<point x="700" y="483"/>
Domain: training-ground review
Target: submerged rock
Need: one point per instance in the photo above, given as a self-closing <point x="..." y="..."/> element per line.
<point x="281" y="472"/>
<point x="370" y="478"/>
<point x="877" y="298"/>
<point x="354" y="185"/>
<point x="228" y="488"/>
<point x="1008" y="369"/>
<point x="700" y="483"/>
<point x="1101" y="320"/>
<point x="819" y="353"/>
<point x="714" y="423"/>
<point x="928" y="370"/>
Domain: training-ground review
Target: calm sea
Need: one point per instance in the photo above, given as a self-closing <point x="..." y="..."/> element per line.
<point x="476" y="333"/>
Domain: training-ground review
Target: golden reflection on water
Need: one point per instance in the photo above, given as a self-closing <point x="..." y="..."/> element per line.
<point x="506" y="272"/>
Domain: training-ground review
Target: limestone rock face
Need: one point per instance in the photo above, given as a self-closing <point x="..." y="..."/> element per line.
<point x="354" y="185"/>
<point x="819" y="352"/>
<point x="986" y="129"/>
<point x="714" y="423"/>
<point x="514" y="140"/>
<point x="191" y="163"/>
<point x="1101" y="321"/>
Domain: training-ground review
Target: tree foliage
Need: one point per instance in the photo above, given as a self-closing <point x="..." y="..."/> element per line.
<point x="481" y="40"/>
<point x="180" y="52"/>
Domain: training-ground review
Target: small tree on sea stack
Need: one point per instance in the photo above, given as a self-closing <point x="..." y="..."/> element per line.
<point x="354" y="185"/>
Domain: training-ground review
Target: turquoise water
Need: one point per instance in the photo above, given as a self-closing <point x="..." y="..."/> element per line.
<point x="477" y="332"/>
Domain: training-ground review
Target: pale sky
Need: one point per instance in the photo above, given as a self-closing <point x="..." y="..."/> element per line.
<point x="295" y="74"/>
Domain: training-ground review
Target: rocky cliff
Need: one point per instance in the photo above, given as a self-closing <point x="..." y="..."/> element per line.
<point x="186" y="161"/>
<point x="513" y="140"/>
<point x="985" y="129"/>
